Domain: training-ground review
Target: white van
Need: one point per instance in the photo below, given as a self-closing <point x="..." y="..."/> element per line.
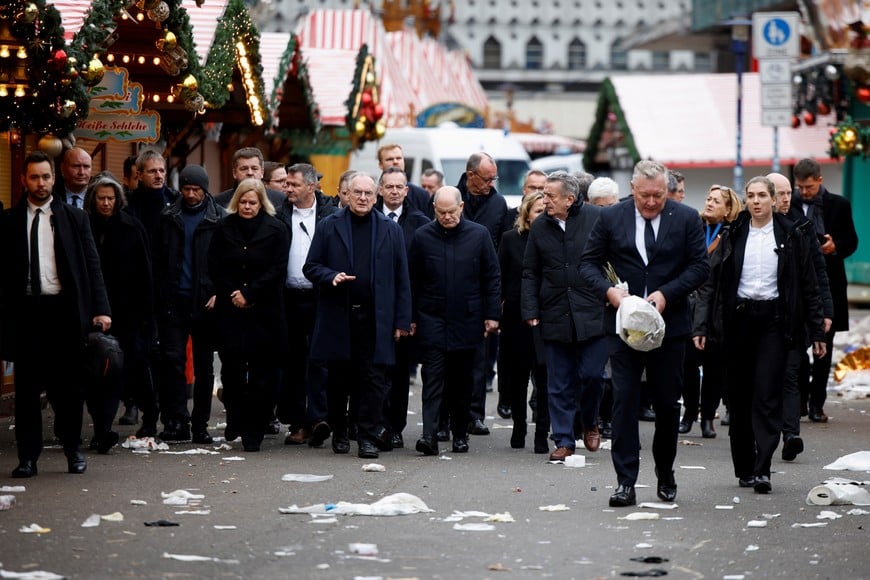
<point x="447" y="150"/>
<point x="570" y="163"/>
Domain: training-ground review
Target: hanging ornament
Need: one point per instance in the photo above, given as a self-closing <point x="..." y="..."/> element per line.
<point x="360" y="128"/>
<point x="147" y="4"/>
<point x="832" y="73"/>
<point x="809" y="118"/>
<point x="50" y="145"/>
<point x="68" y="108"/>
<point x="168" y="42"/>
<point x="823" y="108"/>
<point x="795" y="121"/>
<point x="31" y="11"/>
<point x="380" y="129"/>
<point x="196" y="104"/>
<point x="863" y="94"/>
<point x="94" y="73"/>
<point x="58" y="59"/>
<point x="190" y="83"/>
<point x="378" y="112"/>
<point x="159" y="13"/>
<point x="370" y="78"/>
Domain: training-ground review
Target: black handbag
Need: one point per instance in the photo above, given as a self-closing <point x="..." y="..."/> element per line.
<point x="104" y="357"/>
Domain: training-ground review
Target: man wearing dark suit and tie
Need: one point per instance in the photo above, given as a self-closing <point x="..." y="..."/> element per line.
<point x="53" y="295"/>
<point x="831" y="216"/>
<point x="75" y="171"/>
<point x="657" y="246"/>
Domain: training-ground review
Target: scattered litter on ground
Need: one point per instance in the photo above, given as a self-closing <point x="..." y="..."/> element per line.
<point x="193" y="512"/>
<point x="12" y="489"/>
<point x="223" y="447"/>
<point x="217" y="527"/>
<point x="31" y="575"/>
<point x="692" y="467"/>
<point x="363" y="549"/>
<point x="397" y="504"/>
<point x="138" y="502"/>
<point x="560" y="507"/>
<point x="320" y="519"/>
<point x="162" y="524"/>
<point x="643" y="546"/>
<point x="498" y="567"/>
<point x="649" y="559"/>
<point x="658" y="505"/>
<point x="751" y="548"/>
<point x="146" y="443"/>
<point x="445" y="458"/>
<point x="373" y="467"/>
<point x="770" y="516"/>
<point x="305" y="477"/>
<point x="651" y="573"/>
<point x="690" y="443"/>
<point x="634" y="516"/>
<point x="233" y="458"/>
<point x="501" y="426"/>
<point x="858" y="461"/>
<point x="840" y="491"/>
<point x="575" y="461"/>
<point x="113" y="517"/>
<point x="195" y="558"/>
<point x="195" y="451"/>
<point x="828" y="515"/>
<point x="756" y="524"/>
<point x="724" y="507"/>
<point x="180" y="497"/>
<point x="34" y="529"/>
<point x="503" y="518"/>
<point x="7" y="502"/>
<point x="812" y="525"/>
<point x="735" y="500"/>
<point x="858" y="512"/>
<point x="473" y="527"/>
<point x="92" y="521"/>
<point x="734" y="577"/>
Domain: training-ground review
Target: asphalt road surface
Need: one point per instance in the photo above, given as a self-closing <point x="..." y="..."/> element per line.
<point x="706" y="536"/>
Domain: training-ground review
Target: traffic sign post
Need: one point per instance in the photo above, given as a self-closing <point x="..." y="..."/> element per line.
<point x="775" y="35"/>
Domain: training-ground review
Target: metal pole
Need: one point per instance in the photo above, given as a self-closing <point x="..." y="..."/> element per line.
<point x="775" y="167"/>
<point x="739" y="36"/>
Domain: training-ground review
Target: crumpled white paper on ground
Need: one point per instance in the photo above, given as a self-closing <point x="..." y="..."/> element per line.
<point x="858" y="461"/>
<point x="180" y="497"/>
<point x="148" y="443"/>
<point x="305" y="477"/>
<point x="397" y="504"/>
<point x="195" y="558"/>
<point x="31" y="575"/>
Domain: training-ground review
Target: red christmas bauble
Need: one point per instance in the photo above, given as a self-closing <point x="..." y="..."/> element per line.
<point x="366" y="98"/>
<point x="863" y="94"/>
<point x="809" y="118"/>
<point x="823" y="108"/>
<point x="795" y="121"/>
<point x="378" y="112"/>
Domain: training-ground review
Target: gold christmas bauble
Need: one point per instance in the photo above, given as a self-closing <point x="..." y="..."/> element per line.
<point x="69" y="107"/>
<point x="94" y="73"/>
<point x="31" y="11"/>
<point x="50" y="145"/>
<point x="190" y="83"/>
<point x="380" y="129"/>
<point x="159" y="13"/>
<point x="168" y="42"/>
<point x="147" y="4"/>
<point x="360" y="129"/>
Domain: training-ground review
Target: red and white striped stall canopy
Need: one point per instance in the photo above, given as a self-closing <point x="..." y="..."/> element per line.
<point x="348" y="30"/>
<point x="272" y="48"/>
<point x="331" y="71"/>
<point x="72" y="16"/>
<point x="465" y="82"/>
<point x="409" y="50"/>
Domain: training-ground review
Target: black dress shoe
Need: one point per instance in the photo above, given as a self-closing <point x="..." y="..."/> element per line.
<point x="685" y="425"/>
<point x="367" y="449"/>
<point x="149" y="430"/>
<point x="427" y="445"/>
<point x="460" y="446"/>
<point x="383" y="440"/>
<point x="707" y="430"/>
<point x="130" y="416"/>
<point x="647" y="414"/>
<point x="518" y="437"/>
<point x="397" y="440"/>
<point x="623" y="496"/>
<point x="25" y="469"/>
<point x="606" y="430"/>
<point x="175" y="433"/>
<point x="202" y="436"/>
<point x="76" y="463"/>
<point x="726" y="420"/>
<point x="542" y="442"/>
<point x="746" y="481"/>
<point x="478" y="427"/>
<point x="667" y="487"/>
<point x="791" y="447"/>
<point x="817" y="415"/>
<point x="340" y="445"/>
<point x="443" y="435"/>
<point x="762" y="484"/>
<point x="319" y="434"/>
<point x="504" y="411"/>
<point x="106" y="441"/>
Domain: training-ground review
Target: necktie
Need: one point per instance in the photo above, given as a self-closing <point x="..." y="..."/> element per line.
<point x="649" y="239"/>
<point x="75" y="201"/>
<point x="392" y="215"/>
<point x="35" y="281"/>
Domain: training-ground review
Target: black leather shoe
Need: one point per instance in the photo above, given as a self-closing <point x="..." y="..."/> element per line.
<point x="367" y="449"/>
<point x="791" y="447"/>
<point x="175" y="433"/>
<point x="397" y="440"/>
<point x="443" y="435"/>
<point x="460" y="446"/>
<point x="707" y="430"/>
<point x="667" y="487"/>
<point x="478" y="427"/>
<point x="762" y="484"/>
<point x="106" y="441"/>
<point x="319" y="434"/>
<point x="340" y="445"/>
<point x="518" y="437"/>
<point x="504" y="411"/>
<point x="542" y="443"/>
<point x="647" y="414"/>
<point x="202" y="436"/>
<point x="746" y="481"/>
<point x="817" y="415"/>
<point x="25" y="469"/>
<point x="623" y="496"/>
<point x="146" y="431"/>
<point x="130" y="416"/>
<point x="726" y="420"/>
<point x="427" y="445"/>
<point x="606" y="430"/>
<point x="76" y="463"/>
<point x="685" y="425"/>
<point x="383" y="440"/>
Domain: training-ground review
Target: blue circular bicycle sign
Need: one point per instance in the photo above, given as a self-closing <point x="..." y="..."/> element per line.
<point x="776" y="31"/>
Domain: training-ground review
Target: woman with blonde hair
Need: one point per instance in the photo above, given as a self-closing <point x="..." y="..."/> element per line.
<point x="518" y="357"/>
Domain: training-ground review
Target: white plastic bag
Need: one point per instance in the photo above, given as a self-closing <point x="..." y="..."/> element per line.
<point x="639" y="324"/>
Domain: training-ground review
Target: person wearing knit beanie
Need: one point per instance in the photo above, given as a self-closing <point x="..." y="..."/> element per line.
<point x="194" y="175"/>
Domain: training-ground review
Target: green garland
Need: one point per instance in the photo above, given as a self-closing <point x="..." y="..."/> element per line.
<point x="608" y="102"/>
<point x="350" y="119"/>
<point x="50" y="87"/>
<point x="292" y="60"/>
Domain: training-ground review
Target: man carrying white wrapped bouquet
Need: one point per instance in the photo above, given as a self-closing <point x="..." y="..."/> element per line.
<point x="656" y="246"/>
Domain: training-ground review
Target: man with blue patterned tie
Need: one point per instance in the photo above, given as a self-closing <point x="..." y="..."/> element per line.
<point x="76" y="172"/>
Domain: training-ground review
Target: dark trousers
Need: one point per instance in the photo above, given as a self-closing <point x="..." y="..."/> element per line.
<point x="302" y="393"/>
<point x="481" y="371"/>
<point x="358" y="378"/>
<point x="791" y="394"/>
<point x="574" y="375"/>
<point x="175" y="328"/>
<point x="706" y="391"/>
<point x="51" y="360"/>
<point x="664" y="378"/>
<point x="517" y="362"/>
<point x="756" y="346"/>
<point x="815" y="382"/>
<point x="249" y="393"/>
<point x="396" y="408"/>
<point x="447" y="383"/>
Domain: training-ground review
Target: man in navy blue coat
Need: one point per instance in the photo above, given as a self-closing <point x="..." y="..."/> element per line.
<point x="657" y="246"/>
<point x="358" y="265"/>
<point x="456" y="286"/>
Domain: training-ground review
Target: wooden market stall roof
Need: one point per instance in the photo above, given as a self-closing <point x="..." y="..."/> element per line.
<point x="293" y="103"/>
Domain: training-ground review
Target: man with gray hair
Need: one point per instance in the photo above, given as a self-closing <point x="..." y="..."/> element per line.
<point x="603" y="192"/>
<point x="657" y="247"/>
<point x="456" y="285"/>
<point x="568" y="312"/>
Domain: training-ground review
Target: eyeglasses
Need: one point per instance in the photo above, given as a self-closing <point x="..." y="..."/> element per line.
<point x="278" y="181"/>
<point x="486" y="179"/>
<point x="535" y="189"/>
<point x="362" y="193"/>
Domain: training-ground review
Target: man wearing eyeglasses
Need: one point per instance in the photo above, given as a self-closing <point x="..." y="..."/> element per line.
<point x="248" y="162"/>
<point x="831" y="216"/>
<point x="304" y="377"/>
<point x="358" y="266"/>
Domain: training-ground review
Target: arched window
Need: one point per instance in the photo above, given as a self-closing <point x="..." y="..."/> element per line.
<point x="491" y="53"/>
<point x="576" y="55"/>
<point x="618" y="56"/>
<point x="534" y="54"/>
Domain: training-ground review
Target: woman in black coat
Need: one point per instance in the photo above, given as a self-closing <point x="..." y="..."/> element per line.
<point x="247" y="264"/>
<point x="125" y="261"/>
<point x="519" y="356"/>
<point x="760" y="300"/>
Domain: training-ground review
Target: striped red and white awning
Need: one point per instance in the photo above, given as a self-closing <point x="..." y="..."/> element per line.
<point x="273" y="45"/>
<point x="410" y="51"/>
<point x="204" y="21"/>
<point x="349" y="30"/>
<point x="331" y="71"/>
<point x="72" y="16"/>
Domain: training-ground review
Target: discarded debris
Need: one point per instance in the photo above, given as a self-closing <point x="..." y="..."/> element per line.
<point x="498" y="567"/>
<point x="113" y="517"/>
<point x="180" y="497"/>
<point x="147" y="443"/>
<point x="692" y="467"/>
<point x="31" y="575"/>
<point x="196" y="451"/>
<point x="658" y="505"/>
<point x="840" y="491"/>
<point x="858" y="461"/>
<point x="724" y="507"/>
<point x="217" y="527"/>
<point x="92" y="521"/>
<point x="6" y="502"/>
<point x="305" y="477"/>
<point x="634" y="516"/>
<point x="649" y="559"/>
<point x="233" y="458"/>
<point x="34" y="529"/>
<point x="560" y="507"/>
<point x="751" y="548"/>
<point x="193" y="512"/>
<point x="812" y="525"/>
<point x="363" y="549"/>
<point x="828" y="515"/>
<point x="138" y="502"/>
<point x="756" y="524"/>
<point x="690" y="443"/>
<point x="397" y="504"/>
<point x="195" y="558"/>
<point x="162" y="524"/>
<point x="858" y="512"/>
<point x="651" y="573"/>
<point x="643" y="546"/>
<point x="473" y="527"/>
<point x="575" y="461"/>
<point x="11" y="489"/>
<point x="503" y="518"/>
<point x="373" y="467"/>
